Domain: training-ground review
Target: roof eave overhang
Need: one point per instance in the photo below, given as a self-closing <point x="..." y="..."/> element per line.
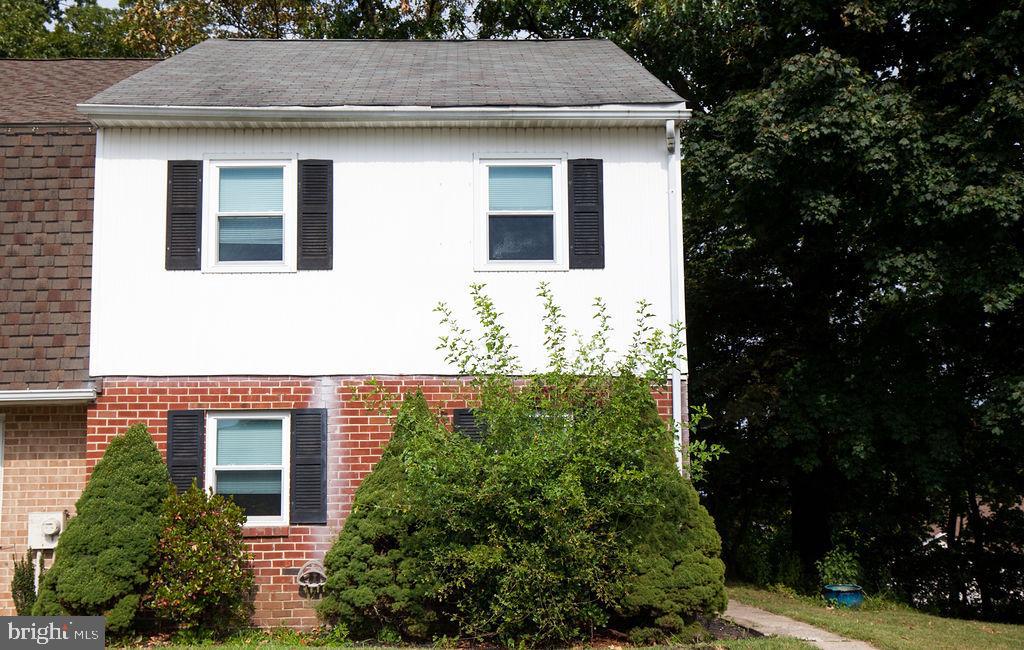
<point x="47" y="396"/>
<point x="117" y="115"/>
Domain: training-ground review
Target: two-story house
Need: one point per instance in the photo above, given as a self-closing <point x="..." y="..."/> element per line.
<point x="276" y="220"/>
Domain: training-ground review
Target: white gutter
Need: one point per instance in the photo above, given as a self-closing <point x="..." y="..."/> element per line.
<point x="675" y="264"/>
<point x="127" y="115"/>
<point x="55" y="396"/>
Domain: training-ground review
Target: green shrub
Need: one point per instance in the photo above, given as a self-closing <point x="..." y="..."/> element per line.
<point x="378" y="569"/>
<point x="838" y="567"/>
<point x="105" y="557"/>
<point x="641" y="636"/>
<point x="570" y="516"/>
<point x="203" y="578"/>
<point x="783" y="590"/>
<point x="23" y="584"/>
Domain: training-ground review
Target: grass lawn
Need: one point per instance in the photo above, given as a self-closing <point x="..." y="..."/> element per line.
<point x="889" y="627"/>
<point x="742" y="644"/>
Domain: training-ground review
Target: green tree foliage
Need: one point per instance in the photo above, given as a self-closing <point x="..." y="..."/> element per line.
<point x="160" y="28"/>
<point x="22" y="26"/>
<point x="204" y="579"/>
<point x="570" y="516"/>
<point x="397" y="19"/>
<point x="105" y="557"/>
<point x="38" y="29"/>
<point x="856" y="249"/>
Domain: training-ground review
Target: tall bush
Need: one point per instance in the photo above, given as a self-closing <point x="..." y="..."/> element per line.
<point x="23" y="584"/>
<point x="204" y="578"/>
<point x="105" y="557"/>
<point x="570" y="516"/>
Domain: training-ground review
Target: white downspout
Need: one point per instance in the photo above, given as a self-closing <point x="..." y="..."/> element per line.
<point x="3" y="441"/>
<point x="676" y="299"/>
<point x="38" y="571"/>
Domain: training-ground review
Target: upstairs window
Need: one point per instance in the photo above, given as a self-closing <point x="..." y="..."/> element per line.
<point x="520" y="213"/>
<point x="253" y="218"/>
<point x="523" y="222"/>
<point x="250" y="214"/>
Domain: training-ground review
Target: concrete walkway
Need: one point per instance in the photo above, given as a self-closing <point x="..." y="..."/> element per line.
<point x="775" y="625"/>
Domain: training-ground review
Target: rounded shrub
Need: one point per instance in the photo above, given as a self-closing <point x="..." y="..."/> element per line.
<point x="204" y="579"/>
<point x="105" y="557"/>
<point x="676" y="572"/>
<point x="378" y="581"/>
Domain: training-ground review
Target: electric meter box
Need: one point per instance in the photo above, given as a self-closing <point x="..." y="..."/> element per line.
<point x="44" y="528"/>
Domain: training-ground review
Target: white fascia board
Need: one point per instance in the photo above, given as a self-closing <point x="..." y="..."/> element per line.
<point x="335" y="116"/>
<point x="47" y="396"/>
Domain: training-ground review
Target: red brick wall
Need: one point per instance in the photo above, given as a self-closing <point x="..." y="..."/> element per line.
<point x="43" y="470"/>
<point x="356" y="436"/>
<point x="46" y="186"/>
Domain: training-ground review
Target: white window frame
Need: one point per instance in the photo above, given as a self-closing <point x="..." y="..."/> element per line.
<point x="212" y="418"/>
<point x="481" y="241"/>
<point x="211" y="214"/>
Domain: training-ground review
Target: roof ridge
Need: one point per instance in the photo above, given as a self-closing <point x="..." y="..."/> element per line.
<point x="409" y="40"/>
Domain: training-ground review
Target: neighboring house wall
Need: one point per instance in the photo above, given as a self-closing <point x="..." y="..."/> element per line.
<point x="356" y="435"/>
<point x="46" y="178"/>
<point x="46" y="191"/>
<point x="406" y="203"/>
<point x="47" y="154"/>
<point x="44" y="470"/>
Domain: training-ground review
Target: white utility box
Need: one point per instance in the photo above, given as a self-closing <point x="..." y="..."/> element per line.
<point x="44" y="528"/>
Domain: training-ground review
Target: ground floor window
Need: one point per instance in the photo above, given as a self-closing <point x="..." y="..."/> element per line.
<point x="247" y="459"/>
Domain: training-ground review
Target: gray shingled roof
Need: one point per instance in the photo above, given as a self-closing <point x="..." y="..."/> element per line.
<point x="255" y="73"/>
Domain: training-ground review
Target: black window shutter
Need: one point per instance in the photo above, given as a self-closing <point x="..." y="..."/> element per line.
<point x="184" y="214"/>
<point x="586" y="214"/>
<point x="464" y="421"/>
<point x="309" y="467"/>
<point x="186" y="438"/>
<point x="316" y="215"/>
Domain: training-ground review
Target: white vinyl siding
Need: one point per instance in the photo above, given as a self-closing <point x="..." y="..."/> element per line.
<point x="405" y="214"/>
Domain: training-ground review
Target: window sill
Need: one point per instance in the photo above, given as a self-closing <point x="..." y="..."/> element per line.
<point x="260" y="530"/>
<point x="491" y="267"/>
<point x="249" y="269"/>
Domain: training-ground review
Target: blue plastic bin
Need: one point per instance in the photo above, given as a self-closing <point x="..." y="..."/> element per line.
<point x="851" y="596"/>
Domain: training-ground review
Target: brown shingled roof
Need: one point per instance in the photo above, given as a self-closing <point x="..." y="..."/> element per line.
<point x="45" y="91"/>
